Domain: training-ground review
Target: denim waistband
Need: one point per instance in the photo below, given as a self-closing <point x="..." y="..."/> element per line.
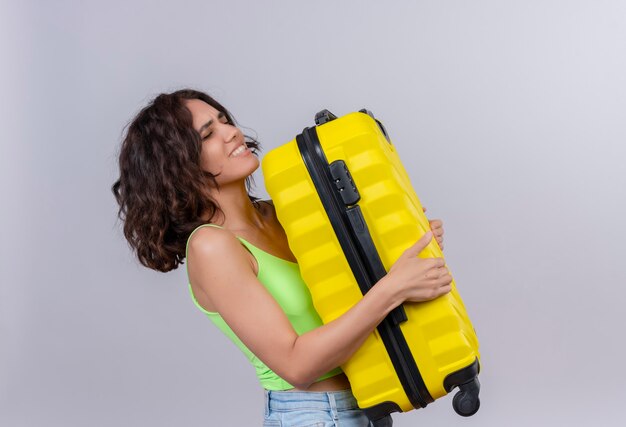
<point x="293" y="400"/>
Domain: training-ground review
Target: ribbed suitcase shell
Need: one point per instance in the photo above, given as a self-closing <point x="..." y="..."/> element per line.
<point x="439" y="333"/>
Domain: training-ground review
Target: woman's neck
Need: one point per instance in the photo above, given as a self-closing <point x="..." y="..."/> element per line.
<point x="238" y="211"/>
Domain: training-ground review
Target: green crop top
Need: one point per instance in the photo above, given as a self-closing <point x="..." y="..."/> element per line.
<point x="283" y="281"/>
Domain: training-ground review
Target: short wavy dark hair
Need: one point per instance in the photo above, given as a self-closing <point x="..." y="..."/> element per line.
<point x="162" y="191"/>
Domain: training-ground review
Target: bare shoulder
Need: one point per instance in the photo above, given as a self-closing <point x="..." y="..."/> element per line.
<point x="208" y="241"/>
<point x="213" y="249"/>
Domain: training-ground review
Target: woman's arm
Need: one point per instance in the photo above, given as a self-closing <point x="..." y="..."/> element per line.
<point x="219" y="268"/>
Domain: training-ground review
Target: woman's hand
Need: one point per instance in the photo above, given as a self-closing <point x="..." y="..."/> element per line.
<point x="436" y="225"/>
<point x="419" y="279"/>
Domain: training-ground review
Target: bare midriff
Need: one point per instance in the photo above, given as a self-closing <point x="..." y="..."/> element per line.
<point x="336" y="383"/>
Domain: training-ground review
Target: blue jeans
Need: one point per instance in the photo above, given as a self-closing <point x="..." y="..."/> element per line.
<point x="312" y="409"/>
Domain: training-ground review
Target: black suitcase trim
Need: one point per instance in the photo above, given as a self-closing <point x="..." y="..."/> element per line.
<point x="461" y="376"/>
<point x="342" y="220"/>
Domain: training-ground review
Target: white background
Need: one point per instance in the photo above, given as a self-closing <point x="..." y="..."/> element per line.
<point x="508" y="115"/>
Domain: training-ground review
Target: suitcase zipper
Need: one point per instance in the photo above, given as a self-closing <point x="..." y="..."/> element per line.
<point x="350" y="221"/>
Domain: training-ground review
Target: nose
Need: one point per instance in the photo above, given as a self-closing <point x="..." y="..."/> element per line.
<point x="230" y="132"/>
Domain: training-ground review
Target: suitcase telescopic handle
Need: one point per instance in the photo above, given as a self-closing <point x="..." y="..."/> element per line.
<point x="323" y="117"/>
<point x="326" y="116"/>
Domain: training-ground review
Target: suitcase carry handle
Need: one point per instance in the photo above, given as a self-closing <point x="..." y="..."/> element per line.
<point x="360" y="231"/>
<point x="326" y="116"/>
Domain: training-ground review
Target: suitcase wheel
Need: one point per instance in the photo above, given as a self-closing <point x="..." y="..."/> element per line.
<point x="386" y="421"/>
<point x="466" y="401"/>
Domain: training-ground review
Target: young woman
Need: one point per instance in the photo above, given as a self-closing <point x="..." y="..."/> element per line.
<point x="183" y="192"/>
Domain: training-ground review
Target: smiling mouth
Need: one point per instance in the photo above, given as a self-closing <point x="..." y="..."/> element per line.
<point x="237" y="151"/>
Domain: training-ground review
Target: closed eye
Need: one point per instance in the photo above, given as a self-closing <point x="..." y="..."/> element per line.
<point x="222" y="118"/>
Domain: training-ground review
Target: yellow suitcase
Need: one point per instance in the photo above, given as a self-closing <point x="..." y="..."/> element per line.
<point x="349" y="212"/>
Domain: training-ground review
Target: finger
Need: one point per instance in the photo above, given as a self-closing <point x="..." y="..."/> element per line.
<point x="439" y="273"/>
<point x="445" y="289"/>
<point x="419" y="245"/>
<point x="439" y="291"/>
<point x="432" y="274"/>
<point x="444" y="280"/>
<point x="443" y="271"/>
<point x="436" y="223"/>
<point x="446" y="277"/>
<point x="435" y="264"/>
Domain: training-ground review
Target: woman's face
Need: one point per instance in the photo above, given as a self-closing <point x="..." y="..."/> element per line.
<point x="224" y="151"/>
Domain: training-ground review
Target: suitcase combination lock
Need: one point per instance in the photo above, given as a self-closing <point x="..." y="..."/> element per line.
<point x="343" y="181"/>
